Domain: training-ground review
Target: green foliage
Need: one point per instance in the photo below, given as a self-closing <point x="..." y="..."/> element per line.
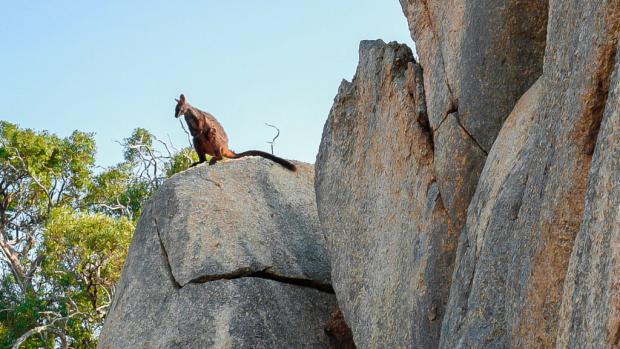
<point x="23" y="316"/>
<point x="65" y="228"/>
<point x="140" y="138"/>
<point x="181" y="161"/>
<point x="85" y="249"/>
<point x="84" y="257"/>
<point x="46" y="157"/>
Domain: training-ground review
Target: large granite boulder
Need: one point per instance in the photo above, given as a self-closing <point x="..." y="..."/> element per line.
<point x="389" y="236"/>
<point x="226" y="256"/>
<point x="510" y="271"/>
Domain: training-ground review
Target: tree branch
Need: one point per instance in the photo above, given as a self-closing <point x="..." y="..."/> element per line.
<point x="42" y="328"/>
<point x="189" y="136"/>
<point x="274" y="138"/>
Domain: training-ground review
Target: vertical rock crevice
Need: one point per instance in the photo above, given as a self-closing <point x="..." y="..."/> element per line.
<point x="165" y="258"/>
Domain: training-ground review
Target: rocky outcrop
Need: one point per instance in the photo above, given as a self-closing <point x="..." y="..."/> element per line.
<point x="510" y="292"/>
<point x="491" y="146"/>
<point x="226" y="256"/>
<point x="389" y="235"/>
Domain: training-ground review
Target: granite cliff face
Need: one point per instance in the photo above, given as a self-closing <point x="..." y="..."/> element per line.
<point x="502" y="141"/>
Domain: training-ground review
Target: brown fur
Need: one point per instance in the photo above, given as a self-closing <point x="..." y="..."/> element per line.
<point x="210" y="138"/>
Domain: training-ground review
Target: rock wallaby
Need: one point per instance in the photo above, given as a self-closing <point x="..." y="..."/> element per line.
<point x="209" y="137"/>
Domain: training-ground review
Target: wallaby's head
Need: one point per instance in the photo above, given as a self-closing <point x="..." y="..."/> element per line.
<point x="182" y="106"/>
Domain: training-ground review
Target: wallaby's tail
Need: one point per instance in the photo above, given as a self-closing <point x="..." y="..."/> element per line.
<point x="285" y="163"/>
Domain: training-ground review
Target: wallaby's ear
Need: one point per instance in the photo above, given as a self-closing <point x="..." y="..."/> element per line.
<point x="182" y="98"/>
<point x="176" y="100"/>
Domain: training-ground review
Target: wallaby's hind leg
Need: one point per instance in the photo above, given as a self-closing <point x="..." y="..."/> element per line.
<point x="202" y="158"/>
<point x="217" y="151"/>
<point x="217" y="157"/>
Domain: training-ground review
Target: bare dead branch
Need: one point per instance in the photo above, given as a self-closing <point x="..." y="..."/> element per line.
<point x="174" y="148"/>
<point x="12" y="259"/>
<point x="274" y="138"/>
<point x="189" y="136"/>
<point x="165" y="147"/>
<point x="47" y="327"/>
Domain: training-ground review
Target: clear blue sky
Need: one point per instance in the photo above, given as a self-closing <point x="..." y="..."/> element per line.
<point x="110" y="66"/>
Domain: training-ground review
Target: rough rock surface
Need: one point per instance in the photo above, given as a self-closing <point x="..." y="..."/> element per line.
<point x="458" y="163"/>
<point x="590" y="315"/>
<point x="510" y="269"/>
<point x="479" y="57"/>
<point x="437" y="29"/>
<point x="485" y="251"/>
<point x="247" y="217"/>
<point x="228" y="256"/>
<point x="389" y="235"/>
<point x="501" y="55"/>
